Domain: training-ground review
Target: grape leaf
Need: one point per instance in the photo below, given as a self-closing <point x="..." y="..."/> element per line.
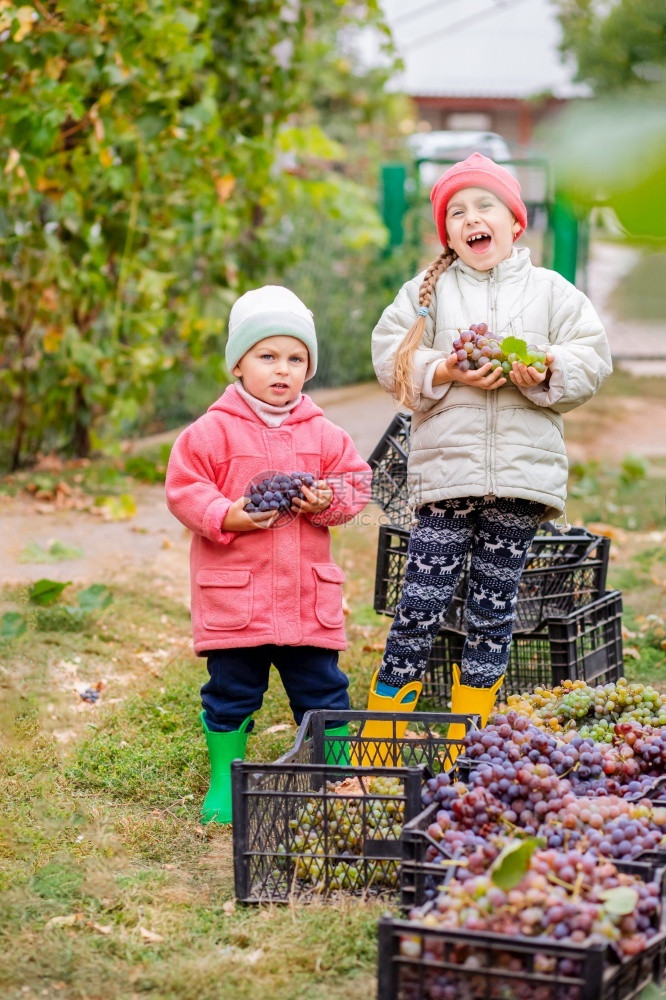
<point x="57" y="551"/>
<point x="514" y="345"/>
<point x="12" y="625"/>
<point x="511" y="864"/>
<point x="46" y="592"/>
<point x="620" y="901"/>
<point x="95" y="597"/>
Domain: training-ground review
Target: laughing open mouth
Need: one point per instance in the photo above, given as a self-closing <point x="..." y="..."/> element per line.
<point x="479" y="241"/>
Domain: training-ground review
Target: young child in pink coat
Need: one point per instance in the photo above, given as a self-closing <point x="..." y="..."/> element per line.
<point x="265" y="589"/>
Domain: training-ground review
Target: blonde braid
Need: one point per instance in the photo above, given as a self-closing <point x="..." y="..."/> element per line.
<point x="403" y="387"/>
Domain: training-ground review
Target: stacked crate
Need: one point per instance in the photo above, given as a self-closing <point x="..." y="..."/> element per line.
<point x="567" y="625"/>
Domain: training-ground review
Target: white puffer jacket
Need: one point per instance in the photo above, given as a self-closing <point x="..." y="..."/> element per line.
<point x="507" y="442"/>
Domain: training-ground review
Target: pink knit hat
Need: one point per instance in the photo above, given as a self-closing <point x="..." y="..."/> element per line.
<point x="477" y="171"/>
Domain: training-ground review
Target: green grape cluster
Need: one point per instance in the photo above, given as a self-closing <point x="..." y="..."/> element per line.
<point x="592" y="711"/>
<point x="328" y="833"/>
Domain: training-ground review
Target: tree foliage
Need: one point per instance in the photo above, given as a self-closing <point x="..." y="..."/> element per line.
<point x="154" y="159"/>
<point x="615" y="44"/>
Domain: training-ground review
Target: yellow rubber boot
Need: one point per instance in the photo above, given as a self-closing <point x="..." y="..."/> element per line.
<point x="469" y="701"/>
<point x="376" y="752"/>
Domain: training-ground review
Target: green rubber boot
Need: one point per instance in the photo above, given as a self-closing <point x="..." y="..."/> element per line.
<point x="337" y="751"/>
<point x="222" y="749"/>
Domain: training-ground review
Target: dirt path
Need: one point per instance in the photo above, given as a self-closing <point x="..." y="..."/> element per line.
<point x="153" y="541"/>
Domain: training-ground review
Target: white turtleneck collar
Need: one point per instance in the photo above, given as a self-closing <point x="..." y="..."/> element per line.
<point x="271" y="415"/>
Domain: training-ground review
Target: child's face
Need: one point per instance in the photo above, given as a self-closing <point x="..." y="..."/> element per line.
<point x="480" y="228"/>
<point x="274" y="369"/>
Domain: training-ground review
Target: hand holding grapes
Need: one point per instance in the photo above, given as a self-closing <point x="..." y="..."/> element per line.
<point x="526" y="376"/>
<point x="317" y="498"/>
<point x="238" y="519"/>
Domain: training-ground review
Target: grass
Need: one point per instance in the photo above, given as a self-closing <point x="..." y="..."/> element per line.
<point x="109" y="886"/>
<point x="110" y="889"/>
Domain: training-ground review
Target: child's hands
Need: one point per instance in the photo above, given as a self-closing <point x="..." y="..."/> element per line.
<point x="482" y="378"/>
<point x="238" y="519"/>
<point x="525" y="376"/>
<point x="318" y="498"/>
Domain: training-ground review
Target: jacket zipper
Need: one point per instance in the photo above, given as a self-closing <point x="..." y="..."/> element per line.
<point x="492" y="396"/>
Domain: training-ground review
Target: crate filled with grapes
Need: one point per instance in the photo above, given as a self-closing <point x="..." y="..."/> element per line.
<point x="587" y="799"/>
<point x="585" y="645"/>
<point x="535" y="924"/>
<point x="563" y="572"/>
<point x="318" y="822"/>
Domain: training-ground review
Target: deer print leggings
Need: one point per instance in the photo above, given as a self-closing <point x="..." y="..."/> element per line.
<point x="498" y="532"/>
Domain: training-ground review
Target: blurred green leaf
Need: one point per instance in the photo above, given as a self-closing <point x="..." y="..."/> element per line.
<point x="12" y="625"/>
<point x="46" y="592"/>
<point x="56" y="552"/>
<point x="95" y="598"/>
<point x="613" y="150"/>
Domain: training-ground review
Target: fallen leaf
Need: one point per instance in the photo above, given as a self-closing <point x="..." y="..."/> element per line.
<point x="65" y="921"/>
<point x="101" y="928"/>
<point x="345" y="607"/>
<point x="281" y="728"/>
<point x="252" y="957"/>
<point x="229" y="907"/>
<point x="608" y="530"/>
<point x="374" y="647"/>
<point x="151" y="937"/>
<point x="632" y="652"/>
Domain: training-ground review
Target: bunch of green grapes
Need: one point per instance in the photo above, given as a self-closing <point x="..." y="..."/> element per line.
<point x="592" y="711"/>
<point x="328" y="834"/>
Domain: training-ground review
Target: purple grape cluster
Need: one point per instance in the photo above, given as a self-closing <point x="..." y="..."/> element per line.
<point x="526" y="780"/>
<point x="276" y="492"/>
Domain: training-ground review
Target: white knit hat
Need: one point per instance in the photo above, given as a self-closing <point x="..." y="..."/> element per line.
<point x="267" y="312"/>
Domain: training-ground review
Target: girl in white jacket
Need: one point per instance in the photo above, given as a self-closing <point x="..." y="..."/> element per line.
<point x="487" y="460"/>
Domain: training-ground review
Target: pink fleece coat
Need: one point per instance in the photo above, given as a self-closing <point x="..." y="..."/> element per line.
<point x="278" y="585"/>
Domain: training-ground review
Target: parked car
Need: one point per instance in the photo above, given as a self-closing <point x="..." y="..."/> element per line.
<point x="453" y="146"/>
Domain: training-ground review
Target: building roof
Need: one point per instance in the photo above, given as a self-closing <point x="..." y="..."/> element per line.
<point x="480" y="48"/>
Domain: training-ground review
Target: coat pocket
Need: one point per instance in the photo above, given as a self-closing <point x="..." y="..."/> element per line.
<point x="328" y="594"/>
<point x="226" y="598"/>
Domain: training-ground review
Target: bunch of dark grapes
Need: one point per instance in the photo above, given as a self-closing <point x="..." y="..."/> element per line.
<point x="477" y="346"/>
<point x="562" y="896"/>
<point x="276" y="492"/>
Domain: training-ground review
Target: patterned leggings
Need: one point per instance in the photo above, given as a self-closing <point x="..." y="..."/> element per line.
<point x="499" y="532"/>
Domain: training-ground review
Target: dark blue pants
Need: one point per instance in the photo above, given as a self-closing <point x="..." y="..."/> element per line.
<point x="239" y="679"/>
<point x="498" y="533"/>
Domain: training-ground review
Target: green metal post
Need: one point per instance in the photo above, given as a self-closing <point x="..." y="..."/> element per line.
<point x="394" y="202"/>
<point x="564" y="226"/>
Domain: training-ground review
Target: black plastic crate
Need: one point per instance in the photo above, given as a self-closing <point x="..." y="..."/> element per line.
<point x="426" y="866"/>
<point x="389" y="470"/>
<point x="354" y="845"/>
<point x="585" y="645"/>
<point x="562" y="573"/>
<point x="418" y="962"/>
<point x="425" y="740"/>
<point x="271" y="803"/>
